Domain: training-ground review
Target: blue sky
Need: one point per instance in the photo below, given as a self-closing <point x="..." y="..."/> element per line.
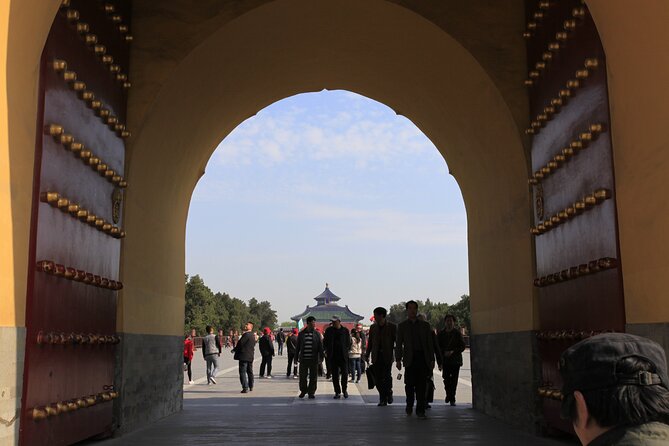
<point x="328" y="187"/>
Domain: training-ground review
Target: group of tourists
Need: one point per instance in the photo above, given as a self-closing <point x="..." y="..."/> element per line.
<point x="615" y="385"/>
<point x="413" y="346"/>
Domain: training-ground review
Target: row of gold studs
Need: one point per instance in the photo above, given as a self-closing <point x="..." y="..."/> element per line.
<point x="60" y="66"/>
<point x="78" y="275"/>
<point x="554" y="47"/>
<point x="577" y="12"/>
<point x="572" y="85"/>
<point x="583" y="141"/>
<point x="549" y="393"/>
<point x="67" y="140"/>
<point x="117" y="19"/>
<point x="62" y="407"/>
<point x="100" y="50"/>
<point x="568" y="335"/>
<point x="63" y="204"/>
<point x="584" y="269"/>
<point x="62" y="338"/>
<point x="567" y="214"/>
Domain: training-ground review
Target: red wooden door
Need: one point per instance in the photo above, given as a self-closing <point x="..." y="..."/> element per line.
<point x="76" y="226"/>
<point x="579" y="276"/>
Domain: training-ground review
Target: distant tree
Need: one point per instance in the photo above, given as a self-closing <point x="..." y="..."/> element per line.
<point x="288" y="324"/>
<point x="221" y="310"/>
<point x="262" y="313"/>
<point x="462" y="312"/>
<point x="435" y="312"/>
<point x="199" y="304"/>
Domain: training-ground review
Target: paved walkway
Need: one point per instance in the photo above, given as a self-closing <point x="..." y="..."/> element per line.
<point x="272" y="414"/>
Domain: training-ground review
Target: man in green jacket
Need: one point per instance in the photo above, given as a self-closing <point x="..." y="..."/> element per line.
<point x="616" y="390"/>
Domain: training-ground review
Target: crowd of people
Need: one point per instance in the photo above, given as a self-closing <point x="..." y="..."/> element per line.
<point x="615" y="385"/>
<point x="342" y="356"/>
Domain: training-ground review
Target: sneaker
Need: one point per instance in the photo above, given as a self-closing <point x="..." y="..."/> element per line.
<point x="382" y="403"/>
<point x="191" y="382"/>
<point x="302" y="395"/>
<point x="295" y="377"/>
<point x="261" y="377"/>
<point x="390" y="399"/>
<point x="213" y="381"/>
<point x="312" y="396"/>
<point x="269" y="376"/>
<point x="453" y="403"/>
<point x="244" y="391"/>
<point x="337" y="396"/>
<point x="345" y="394"/>
<point x="427" y="406"/>
<point x="447" y="400"/>
<point x="288" y="376"/>
<point x="409" y="410"/>
<point x="250" y="389"/>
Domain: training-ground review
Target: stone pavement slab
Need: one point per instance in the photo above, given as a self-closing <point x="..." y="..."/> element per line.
<point x="272" y="414"/>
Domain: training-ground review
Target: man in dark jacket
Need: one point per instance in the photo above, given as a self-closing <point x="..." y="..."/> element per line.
<point x="415" y="348"/>
<point x="381" y="348"/>
<point x="451" y="346"/>
<point x="291" y="343"/>
<point x="244" y="352"/>
<point x="280" y="340"/>
<point x="337" y="342"/>
<point x="266" y="347"/>
<point x="615" y="390"/>
<point x="309" y="353"/>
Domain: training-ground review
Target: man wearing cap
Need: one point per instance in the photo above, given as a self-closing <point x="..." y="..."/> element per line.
<point x="381" y="349"/>
<point x="266" y="347"/>
<point x="616" y="390"/>
<point x="291" y="343"/>
<point x="337" y="341"/>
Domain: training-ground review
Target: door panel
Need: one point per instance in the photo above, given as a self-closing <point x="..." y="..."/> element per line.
<point x="77" y="227"/>
<point x="579" y="278"/>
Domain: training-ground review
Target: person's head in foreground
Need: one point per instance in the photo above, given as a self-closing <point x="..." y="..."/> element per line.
<point x="615" y="389"/>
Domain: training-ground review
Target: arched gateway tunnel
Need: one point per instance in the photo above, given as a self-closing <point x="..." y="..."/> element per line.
<point x="548" y="113"/>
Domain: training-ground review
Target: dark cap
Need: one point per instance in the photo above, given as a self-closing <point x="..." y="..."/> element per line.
<point x="592" y="363"/>
<point x="335" y="318"/>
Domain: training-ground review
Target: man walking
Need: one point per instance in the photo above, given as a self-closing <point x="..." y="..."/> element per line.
<point x="309" y="353"/>
<point x="244" y="352"/>
<point x="337" y="342"/>
<point x="211" y="350"/>
<point x="382" y="335"/>
<point x="291" y="342"/>
<point x="451" y="346"/>
<point x="280" y="340"/>
<point x="267" y="352"/>
<point x="415" y="348"/>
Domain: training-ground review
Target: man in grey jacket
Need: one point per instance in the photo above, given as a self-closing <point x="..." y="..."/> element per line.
<point x="415" y="347"/>
<point x="211" y="350"/>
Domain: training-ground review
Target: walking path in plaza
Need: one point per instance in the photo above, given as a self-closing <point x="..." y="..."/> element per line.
<point x="273" y="414"/>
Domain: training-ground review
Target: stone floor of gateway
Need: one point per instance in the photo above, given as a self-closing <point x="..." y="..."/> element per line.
<point x="272" y="414"/>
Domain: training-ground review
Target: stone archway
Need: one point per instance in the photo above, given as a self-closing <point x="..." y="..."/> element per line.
<point x="377" y="49"/>
<point x="639" y="147"/>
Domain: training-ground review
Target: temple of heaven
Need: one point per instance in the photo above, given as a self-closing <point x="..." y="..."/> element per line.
<point x="326" y="308"/>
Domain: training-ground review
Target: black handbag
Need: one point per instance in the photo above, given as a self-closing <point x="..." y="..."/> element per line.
<point x="369" y="372"/>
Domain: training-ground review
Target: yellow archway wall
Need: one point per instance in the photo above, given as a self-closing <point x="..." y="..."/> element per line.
<point x="636" y="43"/>
<point x="374" y="48"/>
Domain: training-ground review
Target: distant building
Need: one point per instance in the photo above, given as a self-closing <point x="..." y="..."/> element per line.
<point x="326" y="308"/>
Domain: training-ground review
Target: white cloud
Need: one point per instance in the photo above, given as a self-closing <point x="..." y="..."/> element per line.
<point x="367" y="134"/>
<point x="387" y="225"/>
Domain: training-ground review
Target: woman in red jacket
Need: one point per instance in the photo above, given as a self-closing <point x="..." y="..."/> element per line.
<point x="188" y="358"/>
